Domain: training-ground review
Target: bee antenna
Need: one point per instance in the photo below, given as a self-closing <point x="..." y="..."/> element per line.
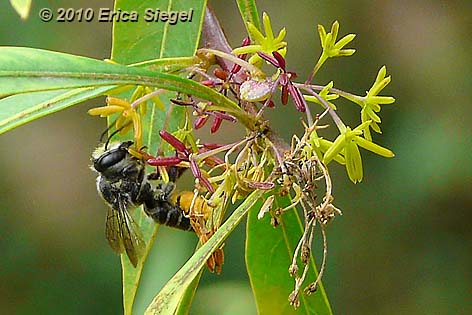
<point x="112" y="134"/>
<point x="102" y="135"/>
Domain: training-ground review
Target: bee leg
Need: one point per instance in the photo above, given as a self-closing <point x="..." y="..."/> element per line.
<point x="175" y="172"/>
<point x="154" y="176"/>
<point x="163" y="192"/>
<point x="146" y="192"/>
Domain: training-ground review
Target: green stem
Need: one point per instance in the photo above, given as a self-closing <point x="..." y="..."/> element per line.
<point x="337" y="120"/>
<point x="255" y="71"/>
<point x="349" y="96"/>
<point x="317" y="67"/>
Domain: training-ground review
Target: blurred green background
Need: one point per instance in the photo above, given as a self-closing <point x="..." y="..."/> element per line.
<point x="404" y="243"/>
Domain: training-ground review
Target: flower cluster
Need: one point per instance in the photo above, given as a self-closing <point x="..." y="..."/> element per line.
<point x="260" y="160"/>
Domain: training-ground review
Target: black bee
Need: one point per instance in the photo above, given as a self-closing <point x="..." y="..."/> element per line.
<point x="123" y="183"/>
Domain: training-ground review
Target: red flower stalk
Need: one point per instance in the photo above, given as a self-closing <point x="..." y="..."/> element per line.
<point x="164" y="161"/>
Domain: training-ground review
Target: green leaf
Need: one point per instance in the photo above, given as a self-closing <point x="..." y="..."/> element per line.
<point x="25" y="70"/>
<point x="22" y="7"/>
<point x="20" y="109"/>
<point x="269" y="253"/>
<point x="187" y="298"/>
<point x="139" y="42"/>
<point x="249" y="13"/>
<point x="166" y="302"/>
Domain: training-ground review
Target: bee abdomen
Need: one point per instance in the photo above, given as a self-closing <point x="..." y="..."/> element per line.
<point x="163" y="212"/>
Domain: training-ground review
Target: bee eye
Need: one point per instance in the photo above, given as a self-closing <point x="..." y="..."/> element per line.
<point x="109" y="159"/>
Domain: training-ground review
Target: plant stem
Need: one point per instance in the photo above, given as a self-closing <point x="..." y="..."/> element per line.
<point x="337" y="120"/>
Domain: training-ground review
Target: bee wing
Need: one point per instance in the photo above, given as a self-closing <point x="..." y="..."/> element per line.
<point x="123" y="234"/>
<point x="131" y="237"/>
<point x="112" y="230"/>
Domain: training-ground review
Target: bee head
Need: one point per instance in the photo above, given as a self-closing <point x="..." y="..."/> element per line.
<point x="105" y="158"/>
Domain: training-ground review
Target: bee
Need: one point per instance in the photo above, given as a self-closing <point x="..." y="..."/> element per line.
<point x="123" y="184"/>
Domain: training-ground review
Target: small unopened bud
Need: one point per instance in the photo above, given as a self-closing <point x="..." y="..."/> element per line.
<point x="173" y="141"/>
<point x="293" y="299"/>
<point x="117" y="101"/>
<point x="209" y="83"/>
<point x="216" y="124"/>
<point x="311" y="288"/>
<point x="297" y="97"/>
<point x="200" y="121"/>
<point x="280" y="59"/>
<point x="293" y="270"/>
<point x="220" y="74"/>
<point x="305" y="254"/>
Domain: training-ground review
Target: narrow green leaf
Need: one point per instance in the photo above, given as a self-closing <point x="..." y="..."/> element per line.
<point x="20" y="109"/>
<point x="187" y="298"/>
<point x="249" y="13"/>
<point x="168" y="65"/>
<point x="269" y="253"/>
<point x="25" y="70"/>
<point x="166" y="302"/>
